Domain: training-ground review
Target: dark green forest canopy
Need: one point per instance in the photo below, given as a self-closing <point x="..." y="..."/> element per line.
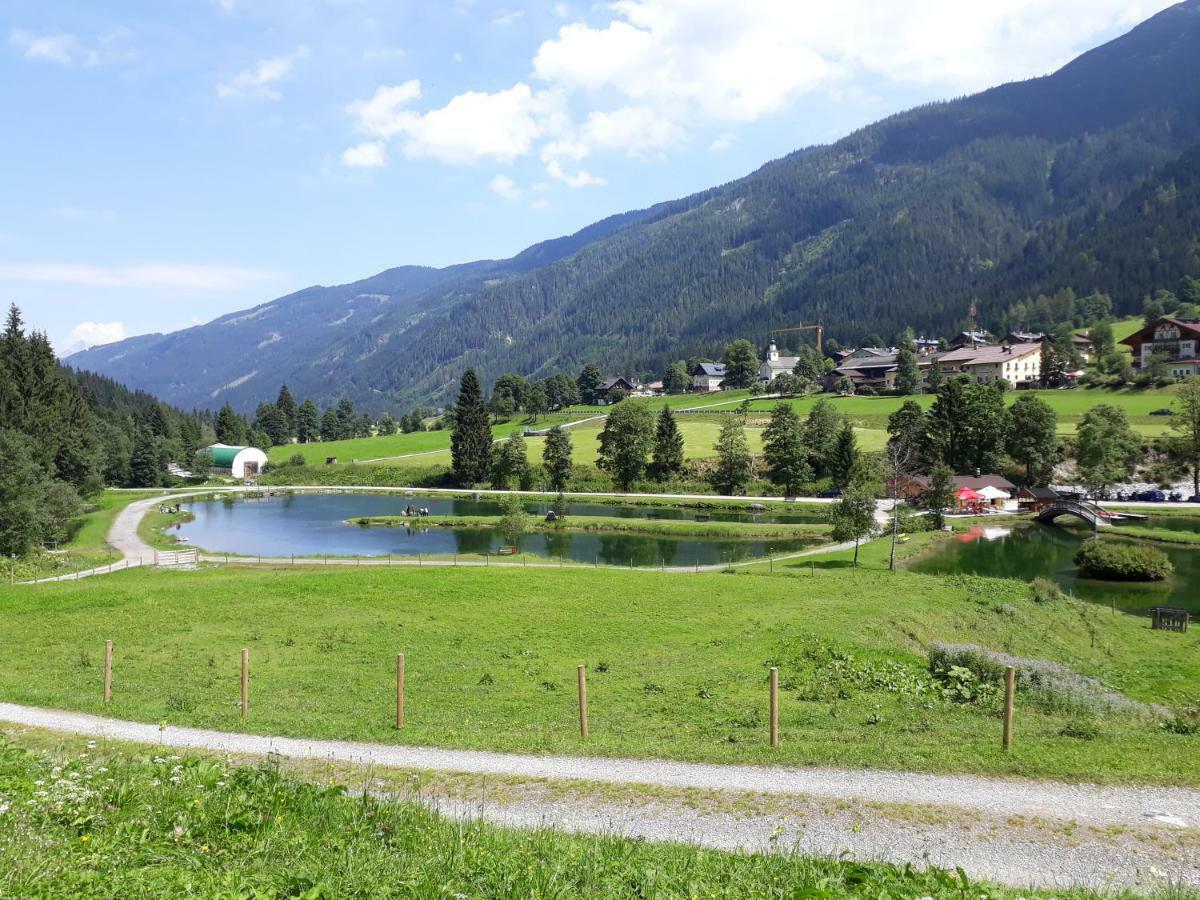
<point x="1084" y="180"/>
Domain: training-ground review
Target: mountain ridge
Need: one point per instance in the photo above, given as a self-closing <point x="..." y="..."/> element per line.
<point x="903" y="222"/>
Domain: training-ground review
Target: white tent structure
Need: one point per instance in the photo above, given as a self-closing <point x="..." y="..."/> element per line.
<point x="994" y="496"/>
<point x="240" y="462"/>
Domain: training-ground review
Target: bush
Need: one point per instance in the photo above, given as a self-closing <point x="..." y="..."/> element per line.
<point x="1119" y="561"/>
<point x="297" y="459"/>
<point x="1043" y="590"/>
<point x="1051" y="685"/>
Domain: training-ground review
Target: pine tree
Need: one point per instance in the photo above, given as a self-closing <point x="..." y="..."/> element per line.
<point x="230" y="427"/>
<point x="908" y="377"/>
<point x="308" y="422"/>
<point x="291" y="414"/>
<point x="556" y="457"/>
<point x="784" y="449"/>
<point x="145" y="465"/>
<point x="471" y="440"/>
<point x="844" y="456"/>
<point x="331" y="425"/>
<point x="668" y="446"/>
<point x="735" y="466"/>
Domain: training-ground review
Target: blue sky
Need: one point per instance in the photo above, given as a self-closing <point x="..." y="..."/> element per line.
<point x="167" y="162"/>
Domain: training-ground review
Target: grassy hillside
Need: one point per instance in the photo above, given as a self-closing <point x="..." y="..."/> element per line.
<point x="677" y="663"/>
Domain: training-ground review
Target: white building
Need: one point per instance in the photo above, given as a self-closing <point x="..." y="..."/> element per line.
<point x="776" y="365"/>
<point x="708" y="377"/>
<point x="1018" y="364"/>
<point x="240" y="462"/>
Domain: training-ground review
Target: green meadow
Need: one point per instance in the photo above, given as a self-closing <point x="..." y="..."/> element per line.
<point x="677" y="663"/>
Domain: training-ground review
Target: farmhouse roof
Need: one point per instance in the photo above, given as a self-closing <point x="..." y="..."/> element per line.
<point x="713" y="370"/>
<point x="989" y="355"/>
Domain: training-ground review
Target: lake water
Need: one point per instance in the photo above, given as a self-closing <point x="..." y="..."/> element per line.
<point x="1048" y="551"/>
<point x="314" y="525"/>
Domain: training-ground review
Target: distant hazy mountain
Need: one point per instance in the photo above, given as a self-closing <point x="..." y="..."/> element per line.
<point x="1073" y="180"/>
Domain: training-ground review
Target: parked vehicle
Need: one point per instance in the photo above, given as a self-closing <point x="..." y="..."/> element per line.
<point x="1150" y="497"/>
<point x="830" y="493"/>
<point x="1195" y="498"/>
<point x="1175" y="497"/>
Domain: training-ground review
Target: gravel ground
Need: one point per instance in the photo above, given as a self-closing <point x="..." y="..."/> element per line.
<point x="1019" y="832"/>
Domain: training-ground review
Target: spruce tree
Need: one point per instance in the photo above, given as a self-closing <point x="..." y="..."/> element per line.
<point x="230" y="427"/>
<point x="308" y="422"/>
<point x="908" y="376"/>
<point x="471" y="440"/>
<point x="784" y="449"/>
<point x="556" y="457"/>
<point x="844" y="456"/>
<point x="291" y="413"/>
<point x="145" y="465"/>
<point x="589" y="382"/>
<point x="668" y="446"/>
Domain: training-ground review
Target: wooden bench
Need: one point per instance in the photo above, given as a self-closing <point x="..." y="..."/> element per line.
<point x="1168" y="618"/>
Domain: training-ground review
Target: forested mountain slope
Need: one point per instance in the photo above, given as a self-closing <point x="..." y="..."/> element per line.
<point x="1038" y="185"/>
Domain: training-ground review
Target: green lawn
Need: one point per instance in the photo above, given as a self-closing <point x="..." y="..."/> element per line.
<point x="86" y="820"/>
<point x="677" y="663"/>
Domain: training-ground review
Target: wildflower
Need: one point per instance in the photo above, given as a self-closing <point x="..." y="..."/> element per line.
<point x="85" y="839"/>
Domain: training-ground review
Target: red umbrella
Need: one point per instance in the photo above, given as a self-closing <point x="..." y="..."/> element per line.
<point x="968" y="494"/>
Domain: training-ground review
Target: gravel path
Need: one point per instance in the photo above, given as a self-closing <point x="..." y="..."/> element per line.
<point x="1019" y="832"/>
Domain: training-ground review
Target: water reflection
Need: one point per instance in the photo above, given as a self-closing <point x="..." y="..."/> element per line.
<point x="314" y="525"/>
<point x="1048" y="551"/>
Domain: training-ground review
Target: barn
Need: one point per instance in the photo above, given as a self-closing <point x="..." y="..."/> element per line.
<point x="240" y="462"/>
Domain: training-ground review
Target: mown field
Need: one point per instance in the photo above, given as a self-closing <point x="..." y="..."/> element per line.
<point x="869" y="415"/>
<point x="82" y="819"/>
<point x="677" y="663"/>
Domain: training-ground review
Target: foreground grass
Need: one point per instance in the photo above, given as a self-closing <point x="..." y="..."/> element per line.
<point x="122" y="823"/>
<point x="677" y="662"/>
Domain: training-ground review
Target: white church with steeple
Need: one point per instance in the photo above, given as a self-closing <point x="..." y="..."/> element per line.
<point x="776" y="365"/>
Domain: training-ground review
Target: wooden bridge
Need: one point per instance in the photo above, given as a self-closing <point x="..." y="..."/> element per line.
<point x="1080" y="509"/>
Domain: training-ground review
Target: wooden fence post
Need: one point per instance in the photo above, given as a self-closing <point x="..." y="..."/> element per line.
<point x="1010" y="689"/>
<point x="107" y="671"/>
<point x="583" y="713"/>
<point x="245" y="682"/>
<point x="774" y="706"/>
<point x="399" y="690"/>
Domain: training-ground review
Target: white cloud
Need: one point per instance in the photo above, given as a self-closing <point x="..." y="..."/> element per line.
<point x="508" y="17"/>
<point x="555" y="153"/>
<point x="652" y="71"/>
<point x="226" y="5"/>
<point x="472" y="127"/>
<point x="638" y="131"/>
<point x="369" y="155"/>
<point x="723" y="142"/>
<point x="67" y="49"/>
<point x="151" y="275"/>
<point x="259" y="82"/>
<point x="505" y="187"/>
<point x="94" y="334"/>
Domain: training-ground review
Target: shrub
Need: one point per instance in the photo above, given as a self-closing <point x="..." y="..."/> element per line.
<point x="1043" y="590"/>
<point x="1119" y="561"/>
<point x="296" y="459"/>
<point x="1051" y="685"/>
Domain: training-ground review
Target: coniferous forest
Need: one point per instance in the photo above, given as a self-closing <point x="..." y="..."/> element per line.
<point x="1087" y="179"/>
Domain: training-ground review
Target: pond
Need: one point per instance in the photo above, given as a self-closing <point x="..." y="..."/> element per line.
<point x="1048" y="551"/>
<point x="314" y="525"/>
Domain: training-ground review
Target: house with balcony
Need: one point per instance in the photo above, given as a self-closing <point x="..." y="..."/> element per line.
<point x="1171" y="341"/>
<point x="1018" y="364"/>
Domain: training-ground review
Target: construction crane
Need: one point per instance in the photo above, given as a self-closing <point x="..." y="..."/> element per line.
<point x="819" y="328"/>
